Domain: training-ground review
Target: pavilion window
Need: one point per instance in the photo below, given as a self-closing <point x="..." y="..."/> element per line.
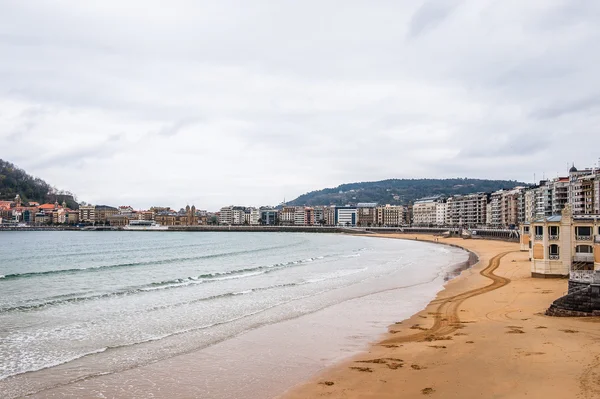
<point x="539" y="230"/>
<point x="554" y="251"/>
<point x="584" y="249"/>
<point x="553" y="231"/>
<point x="583" y="231"/>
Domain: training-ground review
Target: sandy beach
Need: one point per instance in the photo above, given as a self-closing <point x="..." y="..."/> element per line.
<point x="484" y="336"/>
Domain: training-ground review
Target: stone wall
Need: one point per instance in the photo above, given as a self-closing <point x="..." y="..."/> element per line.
<point x="582" y="300"/>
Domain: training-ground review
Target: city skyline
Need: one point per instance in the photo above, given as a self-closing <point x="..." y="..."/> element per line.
<point x="232" y="102"/>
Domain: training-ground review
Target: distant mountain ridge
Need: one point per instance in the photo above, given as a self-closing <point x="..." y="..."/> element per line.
<point x="400" y="191"/>
<point x="14" y="180"/>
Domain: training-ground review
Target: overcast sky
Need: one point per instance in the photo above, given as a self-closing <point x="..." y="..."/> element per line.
<point x="246" y="102"/>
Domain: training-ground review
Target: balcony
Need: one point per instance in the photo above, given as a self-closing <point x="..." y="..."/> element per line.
<point x="554" y="257"/>
<point x="583" y="238"/>
<point x="538" y="237"/>
<point x="553" y="237"/>
<point x="585" y="276"/>
<point x="583" y="257"/>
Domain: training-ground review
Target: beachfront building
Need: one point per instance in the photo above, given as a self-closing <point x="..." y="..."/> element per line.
<point x="319" y="215"/>
<point x="467" y="210"/>
<point x="563" y="244"/>
<point x="424" y="211"/>
<point x="251" y="216"/>
<point x="391" y="215"/>
<point x="287" y="216"/>
<point x="268" y="216"/>
<point x="103" y="212"/>
<point x="118" y="220"/>
<point x="345" y="216"/>
<point x="232" y="215"/>
<point x="225" y="215"/>
<point x="506" y="208"/>
<point x="329" y="215"/>
<point x="441" y="209"/>
<point x="299" y="216"/>
<point x="366" y="214"/>
<point x="87" y="214"/>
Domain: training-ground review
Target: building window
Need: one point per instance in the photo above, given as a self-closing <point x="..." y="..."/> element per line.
<point x="583" y="232"/>
<point x="526" y="229"/>
<point x="539" y="233"/>
<point x="584" y="249"/>
<point x="554" y="252"/>
<point x="553" y="232"/>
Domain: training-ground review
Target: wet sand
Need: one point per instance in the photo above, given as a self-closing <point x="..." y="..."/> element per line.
<point x="484" y="336"/>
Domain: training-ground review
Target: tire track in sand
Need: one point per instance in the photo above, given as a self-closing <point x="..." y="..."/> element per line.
<point x="446" y="319"/>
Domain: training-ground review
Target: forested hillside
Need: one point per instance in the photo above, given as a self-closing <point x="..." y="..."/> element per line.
<point x="14" y="180"/>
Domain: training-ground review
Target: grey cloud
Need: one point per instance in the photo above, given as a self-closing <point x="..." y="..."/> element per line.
<point x="567" y="107"/>
<point x="429" y="15"/>
<point x="77" y="157"/>
<point x="30" y="118"/>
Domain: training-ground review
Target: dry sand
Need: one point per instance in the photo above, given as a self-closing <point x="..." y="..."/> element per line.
<point x="484" y="336"/>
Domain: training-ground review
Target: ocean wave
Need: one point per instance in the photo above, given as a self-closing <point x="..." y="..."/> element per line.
<point x="155" y="286"/>
<point x="133" y="264"/>
<point x="55" y="363"/>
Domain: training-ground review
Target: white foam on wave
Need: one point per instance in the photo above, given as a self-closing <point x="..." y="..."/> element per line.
<point x="33" y="366"/>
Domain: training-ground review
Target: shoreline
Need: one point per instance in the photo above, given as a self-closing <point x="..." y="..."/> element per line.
<point x="500" y="344"/>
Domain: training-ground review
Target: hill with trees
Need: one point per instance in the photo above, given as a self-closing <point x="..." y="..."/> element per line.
<point x="399" y="191"/>
<point x="14" y="180"/>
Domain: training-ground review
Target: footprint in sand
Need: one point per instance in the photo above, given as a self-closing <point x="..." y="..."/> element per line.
<point x="427" y="391"/>
<point x="328" y="383"/>
<point x="570" y="331"/>
<point x="363" y="369"/>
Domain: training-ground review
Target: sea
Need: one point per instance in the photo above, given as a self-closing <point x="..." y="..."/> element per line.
<point x="199" y="314"/>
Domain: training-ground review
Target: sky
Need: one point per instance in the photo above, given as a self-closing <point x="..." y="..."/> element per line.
<point x="212" y="103"/>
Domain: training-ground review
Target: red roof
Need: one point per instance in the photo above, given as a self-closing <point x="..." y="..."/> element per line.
<point x="47" y="206"/>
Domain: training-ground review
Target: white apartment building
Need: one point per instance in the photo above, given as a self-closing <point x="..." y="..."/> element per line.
<point x="252" y="216"/>
<point x="238" y="216"/>
<point x="440" y="213"/>
<point x="226" y="215"/>
<point x="425" y="211"/>
<point x="345" y="216"/>
<point x="232" y="215"/>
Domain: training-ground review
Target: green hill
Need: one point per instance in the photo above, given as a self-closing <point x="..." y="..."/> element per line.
<point x="14" y="180"/>
<point x="399" y="191"/>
